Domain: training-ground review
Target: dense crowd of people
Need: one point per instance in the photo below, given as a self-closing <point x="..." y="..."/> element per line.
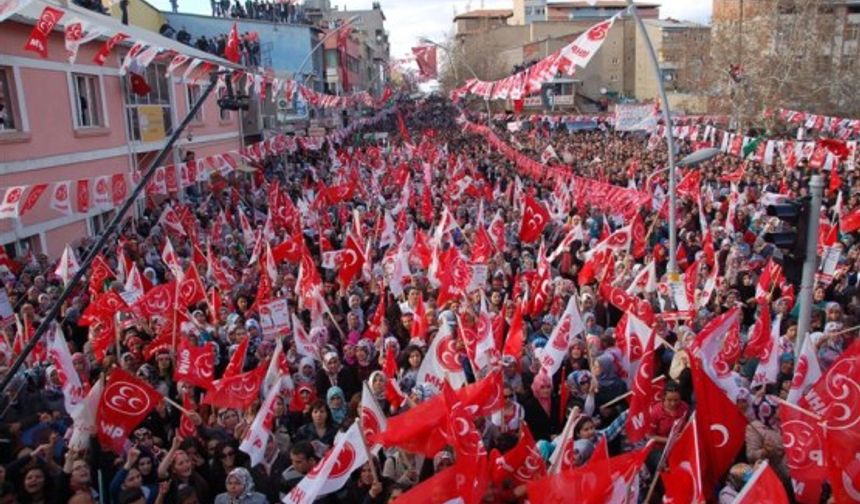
<point x="282" y="11"/>
<point x="454" y="184"/>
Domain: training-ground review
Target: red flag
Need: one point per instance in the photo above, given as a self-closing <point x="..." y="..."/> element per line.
<point x="238" y="391"/>
<point x="125" y="402"/>
<point x="425" y="56"/>
<point x="721" y="428"/>
<point x="683" y="477"/>
<point x="760" y="341"/>
<point x="639" y="417"/>
<point x="465" y="481"/>
<point x="231" y="51"/>
<point x="237" y="361"/>
<point x="108" y="46"/>
<point x="157" y="301"/>
<point x="38" y="40"/>
<point x="849" y="222"/>
<point x="32" y="197"/>
<point x="535" y="218"/>
<point x="191" y="290"/>
<point x="461" y="432"/>
<point x="401" y="125"/>
<point x="482" y="247"/>
<point x="803" y="441"/>
<point x="343" y="57"/>
<point x="639" y="236"/>
<point x="523" y="462"/>
<point x="516" y="335"/>
<point x="100" y="273"/>
<point x="195" y="364"/>
<point x="764" y="487"/>
<point x="351" y="262"/>
<point x="420" y="429"/>
<point x="418" y="329"/>
<point x="186" y="425"/>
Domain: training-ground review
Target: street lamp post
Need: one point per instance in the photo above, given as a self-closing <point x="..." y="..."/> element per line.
<point x="670" y="141"/>
<point x="425" y="40"/>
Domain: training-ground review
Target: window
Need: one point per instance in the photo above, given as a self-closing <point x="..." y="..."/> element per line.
<point x="18" y="249"/>
<point x="149" y="115"/>
<point x="8" y="112"/>
<point x="87" y="98"/>
<point x="192" y="94"/>
<point x="100" y="221"/>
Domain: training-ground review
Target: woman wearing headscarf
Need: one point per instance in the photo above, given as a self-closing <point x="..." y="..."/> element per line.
<point x="365" y="363"/>
<point x="334" y="373"/>
<point x="240" y="489"/>
<point x="541" y="408"/>
<point x="763" y="439"/>
<point x="609" y="384"/>
<point x="306" y="373"/>
<point x="336" y="402"/>
<point x="581" y="386"/>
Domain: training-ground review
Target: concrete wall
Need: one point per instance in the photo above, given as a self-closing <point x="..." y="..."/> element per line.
<point x="140" y="13"/>
<point x="287" y="44"/>
<point x="50" y="148"/>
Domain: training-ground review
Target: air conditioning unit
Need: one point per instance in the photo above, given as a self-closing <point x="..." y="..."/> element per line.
<point x="283" y="104"/>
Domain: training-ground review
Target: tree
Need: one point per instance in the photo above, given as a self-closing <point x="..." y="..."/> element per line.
<point x="781" y="53"/>
<point x="463" y="55"/>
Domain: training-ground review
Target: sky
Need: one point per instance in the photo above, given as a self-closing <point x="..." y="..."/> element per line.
<point x="408" y="20"/>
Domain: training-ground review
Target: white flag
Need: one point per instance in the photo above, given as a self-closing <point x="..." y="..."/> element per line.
<point x="373" y="420"/>
<point x="84" y="418"/>
<point x="61" y="200"/>
<point x="333" y="471"/>
<point x="806" y="373"/>
<point x="133" y="289"/>
<point x="11" y="203"/>
<point x="68" y="265"/>
<point x="257" y="437"/>
<point x="441" y="362"/>
<point x="562" y="335"/>
<point x="61" y="358"/>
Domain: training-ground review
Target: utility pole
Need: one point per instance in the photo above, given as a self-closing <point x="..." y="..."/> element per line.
<point x="810" y="263"/>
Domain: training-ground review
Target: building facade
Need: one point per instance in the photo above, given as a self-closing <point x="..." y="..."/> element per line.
<point x="68" y="121"/>
<point x="374" y="47"/>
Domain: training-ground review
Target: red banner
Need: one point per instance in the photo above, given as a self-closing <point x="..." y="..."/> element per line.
<point x="38" y="41"/>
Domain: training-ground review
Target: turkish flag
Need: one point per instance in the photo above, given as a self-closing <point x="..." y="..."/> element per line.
<point x="125" y="403"/>
<point x="104" y="306"/>
<point x="420" y="429"/>
<point x="721" y="427"/>
<point x="683" y="477"/>
<point x="461" y="433"/>
<point x="760" y="342"/>
<point x="195" y="364"/>
<point x="351" y="262"/>
<point x="231" y="51"/>
<point x="764" y="487"/>
<point x="421" y="250"/>
<point x="425" y="56"/>
<point x="535" y="218"/>
<point x="639" y="236"/>
<point x="639" y="417"/>
<point x="239" y="391"/>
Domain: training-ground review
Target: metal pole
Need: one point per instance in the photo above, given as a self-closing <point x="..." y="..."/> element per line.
<point x="810" y="264"/>
<point x="670" y="141"/>
<point x="465" y="63"/>
<point x="321" y="42"/>
<point x="100" y="243"/>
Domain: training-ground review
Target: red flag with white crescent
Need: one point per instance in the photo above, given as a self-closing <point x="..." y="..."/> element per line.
<point x="125" y="402"/>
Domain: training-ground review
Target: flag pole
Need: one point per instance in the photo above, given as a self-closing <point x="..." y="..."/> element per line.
<point x="106" y="234"/>
<point x="364" y="443"/>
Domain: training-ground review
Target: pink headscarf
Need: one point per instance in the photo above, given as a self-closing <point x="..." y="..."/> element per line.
<point x="542" y="379"/>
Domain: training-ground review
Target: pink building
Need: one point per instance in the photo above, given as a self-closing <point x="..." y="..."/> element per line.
<point x="62" y="121"/>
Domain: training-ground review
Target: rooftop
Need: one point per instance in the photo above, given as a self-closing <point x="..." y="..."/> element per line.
<point x="485" y="13"/>
<point x="600" y="4"/>
<point x="673" y="23"/>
